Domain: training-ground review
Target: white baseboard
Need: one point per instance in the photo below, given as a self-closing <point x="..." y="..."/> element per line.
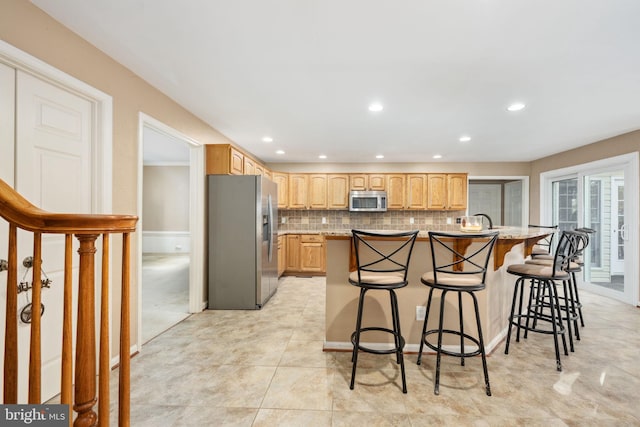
<point x="162" y="242"/>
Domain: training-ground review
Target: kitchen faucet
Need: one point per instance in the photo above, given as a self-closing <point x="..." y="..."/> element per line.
<point x="488" y="218"/>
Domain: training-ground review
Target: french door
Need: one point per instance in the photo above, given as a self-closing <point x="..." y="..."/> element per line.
<point x="602" y="196"/>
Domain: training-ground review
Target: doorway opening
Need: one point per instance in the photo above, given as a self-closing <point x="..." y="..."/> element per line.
<point x="170" y="257"/>
<point x="505" y="199"/>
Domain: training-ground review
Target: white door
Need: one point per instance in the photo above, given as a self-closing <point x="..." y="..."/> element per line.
<point x="603" y="196"/>
<point x="617" y="227"/>
<point x="54" y="131"/>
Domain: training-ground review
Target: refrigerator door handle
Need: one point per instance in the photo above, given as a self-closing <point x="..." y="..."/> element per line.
<point x="269" y="225"/>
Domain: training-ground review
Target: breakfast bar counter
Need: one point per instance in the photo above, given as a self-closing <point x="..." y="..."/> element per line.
<point x="513" y="246"/>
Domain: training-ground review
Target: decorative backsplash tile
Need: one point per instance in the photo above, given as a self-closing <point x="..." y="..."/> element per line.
<point x="312" y="220"/>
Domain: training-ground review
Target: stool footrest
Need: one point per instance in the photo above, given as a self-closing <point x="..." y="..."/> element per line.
<point x="375" y="350"/>
<point x="450" y="352"/>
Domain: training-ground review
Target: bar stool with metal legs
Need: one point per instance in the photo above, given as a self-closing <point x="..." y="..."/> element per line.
<point x="460" y="266"/>
<point x="568" y="297"/>
<point x="580" y="261"/>
<point x="544" y="304"/>
<point x="382" y="264"/>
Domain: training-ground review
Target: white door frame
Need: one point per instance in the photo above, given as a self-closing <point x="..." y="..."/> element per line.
<point x="196" y="215"/>
<point x="629" y="162"/>
<point x="102" y="139"/>
<point x="525" y="191"/>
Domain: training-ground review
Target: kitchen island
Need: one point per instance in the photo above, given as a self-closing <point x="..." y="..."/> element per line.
<point x="513" y="246"/>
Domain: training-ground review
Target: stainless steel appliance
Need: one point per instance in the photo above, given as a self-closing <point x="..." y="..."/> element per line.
<point x="242" y="241"/>
<point x="367" y="201"/>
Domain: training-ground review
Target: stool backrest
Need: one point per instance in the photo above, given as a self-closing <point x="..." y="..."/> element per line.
<point x="383" y="252"/>
<point x="546" y="242"/>
<point x="570" y="245"/>
<point x="459" y="253"/>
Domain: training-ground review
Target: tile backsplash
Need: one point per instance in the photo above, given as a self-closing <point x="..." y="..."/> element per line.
<point x="318" y="220"/>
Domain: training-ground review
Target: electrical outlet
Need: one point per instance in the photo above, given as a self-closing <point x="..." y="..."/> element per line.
<point x="421" y="311"/>
<point x="449" y="220"/>
<point x="324" y="220"/>
<point x="458" y="220"/>
<point x="284" y="219"/>
<point x="411" y="220"/>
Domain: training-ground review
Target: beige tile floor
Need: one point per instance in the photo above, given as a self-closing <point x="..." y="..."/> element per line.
<point x="267" y="368"/>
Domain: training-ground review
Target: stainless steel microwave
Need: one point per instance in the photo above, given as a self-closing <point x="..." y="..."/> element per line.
<point x="368" y="201"/>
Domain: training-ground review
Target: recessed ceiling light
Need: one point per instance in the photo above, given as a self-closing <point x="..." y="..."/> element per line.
<point x="375" y="107"/>
<point x="267" y="139"/>
<point x="379" y="156"/>
<point x="437" y="156"/>
<point x="516" y="106"/>
<point x="322" y="156"/>
<point x="280" y="152"/>
<point x="464" y="138"/>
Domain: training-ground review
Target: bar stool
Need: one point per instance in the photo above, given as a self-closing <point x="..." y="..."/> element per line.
<point x="580" y="261"/>
<point x="568" y="303"/>
<point x="382" y="263"/>
<point x="544" y="245"/>
<point x="543" y="288"/>
<point x="456" y="271"/>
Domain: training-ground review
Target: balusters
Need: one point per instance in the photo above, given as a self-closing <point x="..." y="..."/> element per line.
<point x="11" y="322"/>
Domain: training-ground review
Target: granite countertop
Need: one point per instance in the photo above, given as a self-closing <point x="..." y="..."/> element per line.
<point x="505" y="232"/>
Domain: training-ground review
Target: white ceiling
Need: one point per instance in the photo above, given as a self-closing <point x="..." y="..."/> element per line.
<point x="304" y="72"/>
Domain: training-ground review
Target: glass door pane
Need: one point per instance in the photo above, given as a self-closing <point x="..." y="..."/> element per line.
<point x="565" y="203"/>
<point x="604" y="213"/>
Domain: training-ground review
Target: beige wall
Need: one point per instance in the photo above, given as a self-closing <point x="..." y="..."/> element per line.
<point x="621" y="144"/>
<point x="29" y="29"/>
<point x="473" y="169"/>
<point x="165" y="198"/>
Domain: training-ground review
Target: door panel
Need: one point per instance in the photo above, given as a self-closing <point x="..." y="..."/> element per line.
<point x="53" y="171"/>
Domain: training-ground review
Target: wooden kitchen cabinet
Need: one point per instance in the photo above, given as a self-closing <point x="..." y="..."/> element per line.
<point x="312" y="256"/>
<point x="337" y="191"/>
<point x="437" y="191"/>
<point x="395" y="184"/>
<point x="249" y="167"/>
<point x="259" y="169"/>
<point x="293" y="253"/>
<point x="223" y="159"/>
<point x="447" y="191"/>
<point x="282" y="255"/>
<point x="367" y="182"/>
<point x="416" y="191"/>
<point x="317" y="195"/>
<point x="298" y="190"/>
<point x="457" y="186"/>
<point x="282" y="179"/>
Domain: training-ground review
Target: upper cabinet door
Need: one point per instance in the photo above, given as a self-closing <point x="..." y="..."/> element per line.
<point x="298" y="190"/>
<point x="317" y="198"/>
<point x="249" y="167"/>
<point x="282" y="179"/>
<point x="437" y="191"/>
<point x="395" y="191"/>
<point x="416" y="191"/>
<point x="377" y="182"/>
<point x="337" y="191"/>
<point x="358" y="182"/>
<point x="237" y="162"/>
<point x="457" y="191"/>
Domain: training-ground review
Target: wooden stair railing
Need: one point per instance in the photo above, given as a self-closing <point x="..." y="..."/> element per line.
<point x="79" y="392"/>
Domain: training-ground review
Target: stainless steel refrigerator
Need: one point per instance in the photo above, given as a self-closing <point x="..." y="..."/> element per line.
<point x="242" y="241"/>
